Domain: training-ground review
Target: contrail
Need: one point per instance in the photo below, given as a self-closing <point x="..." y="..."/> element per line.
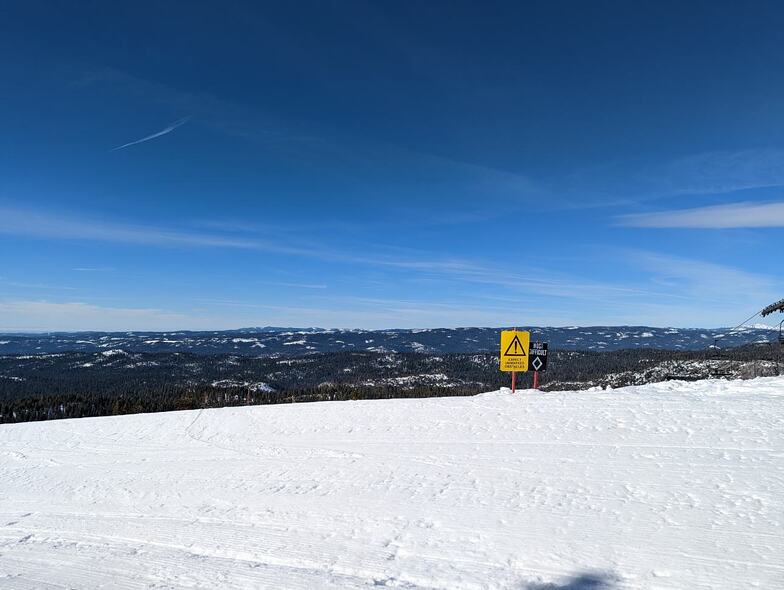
<point x="168" y="129"/>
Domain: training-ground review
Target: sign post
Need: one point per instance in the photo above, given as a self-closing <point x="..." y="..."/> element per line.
<point x="537" y="359"/>
<point x="514" y="352"/>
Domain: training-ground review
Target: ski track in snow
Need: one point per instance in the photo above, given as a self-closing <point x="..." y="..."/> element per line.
<point x="672" y="485"/>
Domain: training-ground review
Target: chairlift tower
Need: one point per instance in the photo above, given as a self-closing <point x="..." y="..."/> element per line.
<point x="772" y="308"/>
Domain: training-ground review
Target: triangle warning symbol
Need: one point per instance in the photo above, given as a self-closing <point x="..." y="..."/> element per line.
<point x="515" y="348"/>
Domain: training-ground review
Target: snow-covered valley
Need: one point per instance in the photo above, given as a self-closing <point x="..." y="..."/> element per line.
<point x="670" y="485"/>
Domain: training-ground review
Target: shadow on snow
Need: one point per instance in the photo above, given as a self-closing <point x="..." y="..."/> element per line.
<point x="582" y="581"/>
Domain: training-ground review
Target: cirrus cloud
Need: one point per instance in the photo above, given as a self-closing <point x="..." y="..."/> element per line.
<point x="735" y="215"/>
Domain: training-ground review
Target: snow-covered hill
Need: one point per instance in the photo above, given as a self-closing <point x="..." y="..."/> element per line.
<point x="673" y="485"/>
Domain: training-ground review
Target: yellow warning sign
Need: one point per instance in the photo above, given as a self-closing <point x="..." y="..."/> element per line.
<point x="514" y="350"/>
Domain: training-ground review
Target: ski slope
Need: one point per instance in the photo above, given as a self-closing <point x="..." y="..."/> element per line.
<point x="673" y="485"/>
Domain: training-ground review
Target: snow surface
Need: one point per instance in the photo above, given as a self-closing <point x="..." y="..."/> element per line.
<point x="673" y="485"/>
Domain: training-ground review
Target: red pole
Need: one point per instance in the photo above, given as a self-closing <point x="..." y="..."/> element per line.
<point x="536" y="379"/>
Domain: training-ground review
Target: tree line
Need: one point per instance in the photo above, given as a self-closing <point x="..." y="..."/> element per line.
<point x="74" y="385"/>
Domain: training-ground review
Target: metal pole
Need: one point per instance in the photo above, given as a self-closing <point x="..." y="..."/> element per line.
<point x="536" y="379"/>
<point x="778" y="350"/>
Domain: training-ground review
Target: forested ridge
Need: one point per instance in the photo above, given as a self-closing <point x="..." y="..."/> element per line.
<point x="79" y="384"/>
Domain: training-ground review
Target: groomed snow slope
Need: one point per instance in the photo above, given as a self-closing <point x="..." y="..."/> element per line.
<point x="675" y="485"/>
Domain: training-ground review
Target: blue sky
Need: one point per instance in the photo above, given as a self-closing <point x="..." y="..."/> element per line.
<point x="371" y="165"/>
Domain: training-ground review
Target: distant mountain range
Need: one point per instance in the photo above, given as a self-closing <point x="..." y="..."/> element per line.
<point x="275" y="341"/>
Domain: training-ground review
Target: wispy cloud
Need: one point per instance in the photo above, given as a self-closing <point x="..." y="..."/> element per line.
<point x="25" y="315"/>
<point x="164" y="131"/>
<point x="372" y="313"/>
<point x="674" y="291"/>
<point x="722" y="172"/>
<point x="27" y="285"/>
<point x="708" y="287"/>
<point x="35" y="316"/>
<point x="735" y="215"/>
<point x="356" y="158"/>
<point x="627" y="182"/>
<point x="424" y="264"/>
<point x="294" y="285"/>
<point x="46" y="225"/>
